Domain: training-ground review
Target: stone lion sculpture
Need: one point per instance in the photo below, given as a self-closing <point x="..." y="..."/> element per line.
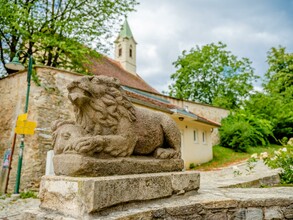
<point x="108" y="125"/>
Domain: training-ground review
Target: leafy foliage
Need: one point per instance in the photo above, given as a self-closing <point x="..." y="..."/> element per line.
<point x="241" y="130"/>
<point x="279" y="77"/>
<point x="282" y="158"/>
<point x="58" y="33"/>
<point x="266" y="116"/>
<point x="276" y="108"/>
<point x="212" y="75"/>
<point x="276" y="104"/>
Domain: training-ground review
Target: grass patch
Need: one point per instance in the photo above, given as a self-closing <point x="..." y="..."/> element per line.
<point x="270" y="149"/>
<point x="28" y="194"/>
<point x="223" y="157"/>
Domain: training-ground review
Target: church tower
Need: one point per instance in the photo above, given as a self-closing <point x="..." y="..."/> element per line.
<point x="125" y="49"/>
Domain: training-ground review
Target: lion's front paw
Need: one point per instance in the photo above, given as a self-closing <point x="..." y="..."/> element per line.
<point x="68" y="148"/>
<point x="166" y="153"/>
<point x="88" y="144"/>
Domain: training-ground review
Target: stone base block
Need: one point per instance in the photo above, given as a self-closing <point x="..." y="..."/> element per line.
<point x="80" y="196"/>
<point x="78" y="165"/>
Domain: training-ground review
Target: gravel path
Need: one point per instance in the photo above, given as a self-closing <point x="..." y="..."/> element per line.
<point x="12" y="208"/>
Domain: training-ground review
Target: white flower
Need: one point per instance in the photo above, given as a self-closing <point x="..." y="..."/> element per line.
<point x="284" y="149"/>
<point x="254" y="156"/>
<point x="277" y="152"/>
<point x="264" y="155"/>
<point x="274" y="158"/>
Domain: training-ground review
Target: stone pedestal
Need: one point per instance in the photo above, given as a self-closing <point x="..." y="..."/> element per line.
<point x="82" y="196"/>
<point x="79" y="165"/>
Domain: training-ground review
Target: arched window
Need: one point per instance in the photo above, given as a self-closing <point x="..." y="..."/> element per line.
<point x="120" y="52"/>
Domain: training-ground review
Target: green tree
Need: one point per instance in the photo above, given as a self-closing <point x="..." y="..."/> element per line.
<point x="213" y="75"/>
<point x="58" y="32"/>
<point x="266" y="116"/>
<point x="276" y="103"/>
<point x="279" y="77"/>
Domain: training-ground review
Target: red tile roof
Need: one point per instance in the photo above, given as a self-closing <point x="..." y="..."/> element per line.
<point x="147" y="100"/>
<point x="109" y="67"/>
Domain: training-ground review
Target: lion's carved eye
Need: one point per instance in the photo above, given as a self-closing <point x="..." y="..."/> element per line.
<point x="66" y="135"/>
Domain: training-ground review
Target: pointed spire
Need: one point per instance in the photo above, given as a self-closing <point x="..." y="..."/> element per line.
<point x="125" y="30"/>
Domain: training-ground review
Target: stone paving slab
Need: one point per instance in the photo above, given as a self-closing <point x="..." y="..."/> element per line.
<point x="259" y="175"/>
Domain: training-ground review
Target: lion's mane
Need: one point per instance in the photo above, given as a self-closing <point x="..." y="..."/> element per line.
<point x="105" y="106"/>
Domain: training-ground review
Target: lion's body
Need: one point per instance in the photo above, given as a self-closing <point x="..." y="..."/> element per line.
<point x="114" y="126"/>
<point x="154" y="130"/>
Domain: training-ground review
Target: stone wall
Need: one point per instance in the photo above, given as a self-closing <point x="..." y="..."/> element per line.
<point x="46" y="104"/>
<point x="218" y="211"/>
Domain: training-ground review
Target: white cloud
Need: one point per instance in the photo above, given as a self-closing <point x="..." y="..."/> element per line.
<point x="163" y="28"/>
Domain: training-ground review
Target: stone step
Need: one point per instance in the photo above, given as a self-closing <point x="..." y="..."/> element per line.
<point x="80" y="196"/>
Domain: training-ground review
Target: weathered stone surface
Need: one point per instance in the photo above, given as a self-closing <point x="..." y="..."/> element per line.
<point x="43" y="215"/>
<point x="269" y="180"/>
<point x="216" y="216"/>
<point x="273" y="213"/>
<point x="222" y="203"/>
<point x="108" y="124"/>
<point x="78" y="165"/>
<point x="288" y="212"/>
<point x="249" y="214"/>
<point x="254" y="214"/>
<point x="82" y="196"/>
<point x="184" y="210"/>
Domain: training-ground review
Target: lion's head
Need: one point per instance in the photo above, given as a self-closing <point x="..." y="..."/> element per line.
<point x="64" y="135"/>
<point x="99" y="104"/>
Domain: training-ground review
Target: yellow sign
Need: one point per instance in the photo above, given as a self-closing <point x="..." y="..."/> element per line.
<point x="23" y="126"/>
<point x="22" y="117"/>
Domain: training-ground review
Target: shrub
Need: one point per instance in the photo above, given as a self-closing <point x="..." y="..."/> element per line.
<point x="191" y="166"/>
<point x="283" y="158"/>
<point x="242" y="130"/>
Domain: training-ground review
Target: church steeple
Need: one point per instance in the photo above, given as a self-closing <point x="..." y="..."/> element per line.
<point x="125" y="48"/>
<point x="125" y="30"/>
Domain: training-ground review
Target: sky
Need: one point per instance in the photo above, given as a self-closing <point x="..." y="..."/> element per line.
<point x="164" y="28"/>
